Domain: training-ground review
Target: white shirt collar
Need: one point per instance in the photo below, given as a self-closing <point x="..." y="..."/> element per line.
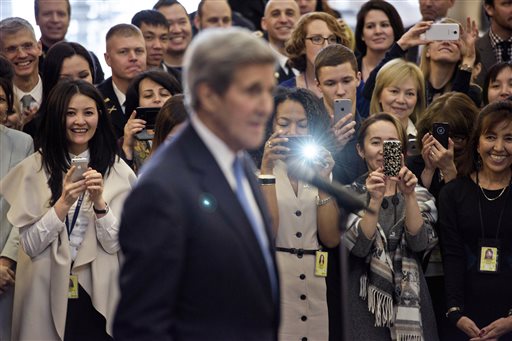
<point x="282" y="59"/>
<point x="411" y="128"/>
<point x="84" y="154"/>
<point x="220" y="151"/>
<point x="121" y="97"/>
<point x="36" y="92"/>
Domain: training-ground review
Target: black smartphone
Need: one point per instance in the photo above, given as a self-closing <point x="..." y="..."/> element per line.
<point x="441" y="132"/>
<point x="392" y="157"/>
<point x="412" y="147"/>
<point x="342" y="107"/>
<point x="296" y="143"/>
<point x="148" y="114"/>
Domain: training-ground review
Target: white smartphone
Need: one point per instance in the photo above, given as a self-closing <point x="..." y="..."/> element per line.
<point x="81" y="164"/>
<point x="445" y="31"/>
<point x="342" y="107"/>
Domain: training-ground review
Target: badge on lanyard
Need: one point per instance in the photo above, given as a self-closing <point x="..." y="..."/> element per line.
<point x="73" y="287"/>
<point x="489" y="256"/>
<point x="321" y="264"/>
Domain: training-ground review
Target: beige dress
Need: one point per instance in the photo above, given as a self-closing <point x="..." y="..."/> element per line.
<point x="41" y="289"/>
<point x="303" y="295"/>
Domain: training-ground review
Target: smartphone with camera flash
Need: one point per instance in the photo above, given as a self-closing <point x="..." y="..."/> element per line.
<point x="81" y="164"/>
<point x="392" y="157"/>
<point x="342" y="107"/>
<point x="441" y="132"/>
<point x="443" y="31"/>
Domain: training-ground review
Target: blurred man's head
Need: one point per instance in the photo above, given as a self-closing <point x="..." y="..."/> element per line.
<point x="52" y="17"/>
<point x="213" y="13"/>
<point x="180" y="28"/>
<point x="435" y="9"/>
<point x="126" y="51"/>
<point x="279" y="20"/>
<point x="19" y="45"/>
<point x="500" y="14"/>
<point x="155" y="31"/>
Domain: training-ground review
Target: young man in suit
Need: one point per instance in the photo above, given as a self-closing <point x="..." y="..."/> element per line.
<point x="495" y="46"/>
<point x="205" y="269"/>
<point x="126" y="56"/>
<point x="279" y="21"/>
<point x="155" y="31"/>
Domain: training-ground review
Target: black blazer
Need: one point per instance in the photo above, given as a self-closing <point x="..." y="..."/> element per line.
<point x="487" y="56"/>
<point x="117" y="117"/>
<point x="193" y="268"/>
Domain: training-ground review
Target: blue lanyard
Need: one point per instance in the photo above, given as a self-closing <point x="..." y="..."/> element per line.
<point x="75" y="216"/>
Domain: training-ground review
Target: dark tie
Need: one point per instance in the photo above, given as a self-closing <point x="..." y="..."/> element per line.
<point x="505" y="48"/>
<point x="258" y="228"/>
<point x="288" y="68"/>
<point x="26" y="101"/>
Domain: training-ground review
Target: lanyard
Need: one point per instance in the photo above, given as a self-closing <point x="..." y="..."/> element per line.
<point x="501" y="212"/>
<point x="75" y="216"/>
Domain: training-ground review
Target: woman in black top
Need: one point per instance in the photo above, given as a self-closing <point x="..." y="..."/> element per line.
<point x="475" y="215"/>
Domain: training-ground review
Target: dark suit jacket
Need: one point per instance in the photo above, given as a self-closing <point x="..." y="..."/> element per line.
<point x="117" y="117"/>
<point x="487" y="56"/>
<point x="193" y="267"/>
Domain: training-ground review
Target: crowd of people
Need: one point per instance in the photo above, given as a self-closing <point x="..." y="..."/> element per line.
<point x="168" y="201"/>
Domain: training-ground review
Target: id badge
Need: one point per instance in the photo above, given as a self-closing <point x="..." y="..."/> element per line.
<point x="321" y="264"/>
<point x="73" y="287"/>
<point x="489" y="253"/>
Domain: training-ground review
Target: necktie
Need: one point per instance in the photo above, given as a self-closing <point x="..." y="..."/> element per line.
<point x="258" y="229"/>
<point x="26" y="101"/>
<point x="289" y="71"/>
<point x="505" y="48"/>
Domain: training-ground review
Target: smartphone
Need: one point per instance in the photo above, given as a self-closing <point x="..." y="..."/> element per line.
<point x="412" y="147"/>
<point x="148" y="114"/>
<point x="441" y="132"/>
<point x="392" y="157"/>
<point x="81" y="164"/>
<point x="297" y="143"/>
<point x="342" y="107"/>
<point x="444" y="31"/>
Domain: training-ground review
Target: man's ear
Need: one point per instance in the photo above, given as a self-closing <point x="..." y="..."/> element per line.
<point x="210" y="100"/>
<point x="197" y="23"/>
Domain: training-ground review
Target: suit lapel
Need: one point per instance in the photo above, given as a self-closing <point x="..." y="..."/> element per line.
<point x="114" y="109"/>
<point x="214" y="183"/>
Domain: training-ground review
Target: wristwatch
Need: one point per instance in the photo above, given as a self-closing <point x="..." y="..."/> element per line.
<point x="103" y="211"/>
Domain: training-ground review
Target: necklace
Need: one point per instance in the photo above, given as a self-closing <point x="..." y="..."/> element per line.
<point x="492" y="199"/>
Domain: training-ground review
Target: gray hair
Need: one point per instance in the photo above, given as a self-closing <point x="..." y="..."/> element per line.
<point x="216" y="54"/>
<point x="12" y="25"/>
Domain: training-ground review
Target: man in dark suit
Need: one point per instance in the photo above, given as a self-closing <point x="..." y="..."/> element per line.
<point x="495" y="46"/>
<point x="126" y="56"/>
<point x="199" y="261"/>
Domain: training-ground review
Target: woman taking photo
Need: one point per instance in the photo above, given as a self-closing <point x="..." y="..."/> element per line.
<point x="304" y="218"/>
<point x="66" y="278"/>
<point x="148" y="89"/>
<point x="475" y="215"/>
<point x="312" y="32"/>
<point x="400" y="91"/>
<point x="387" y="292"/>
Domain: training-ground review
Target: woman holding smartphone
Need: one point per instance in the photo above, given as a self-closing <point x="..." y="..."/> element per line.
<point x="66" y="279"/>
<point x="388" y="295"/>
<point x="304" y="218"/>
<point x="475" y="215"/>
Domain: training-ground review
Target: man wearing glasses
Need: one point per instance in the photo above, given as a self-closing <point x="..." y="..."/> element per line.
<point x="19" y="45"/>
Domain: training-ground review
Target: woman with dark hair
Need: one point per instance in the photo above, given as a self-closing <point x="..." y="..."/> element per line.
<point x="8" y="115"/>
<point x="498" y="83"/>
<point x="171" y="119"/>
<point x="148" y="89"/>
<point x="304" y="218"/>
<point x="66" y="278"/>
<point x="312" y="32"/>
<point x="387" y="292"/>
<point x="378" y="26"/>
<point x="475" y="215"/>
<point x="64" y="60"/>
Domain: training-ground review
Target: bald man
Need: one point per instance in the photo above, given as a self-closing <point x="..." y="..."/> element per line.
<point x="213" y="13"/>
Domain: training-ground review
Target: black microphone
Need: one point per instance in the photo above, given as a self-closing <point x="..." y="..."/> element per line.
<point x="348" y="200"/>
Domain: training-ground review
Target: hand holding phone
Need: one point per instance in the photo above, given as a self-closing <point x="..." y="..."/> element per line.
<point x="441" y="132"/>
<point x="342" y="107"/>
<point x="81" y="164"/>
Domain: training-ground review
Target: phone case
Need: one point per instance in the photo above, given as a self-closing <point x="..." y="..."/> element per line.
<point x="392" y="158"/>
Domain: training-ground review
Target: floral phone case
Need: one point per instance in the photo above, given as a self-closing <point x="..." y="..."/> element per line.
<point x="392" y="157"/>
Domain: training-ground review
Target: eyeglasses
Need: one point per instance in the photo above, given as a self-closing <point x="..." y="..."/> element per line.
<point x="26" y="47"/>
<point x="319" y="40"/>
